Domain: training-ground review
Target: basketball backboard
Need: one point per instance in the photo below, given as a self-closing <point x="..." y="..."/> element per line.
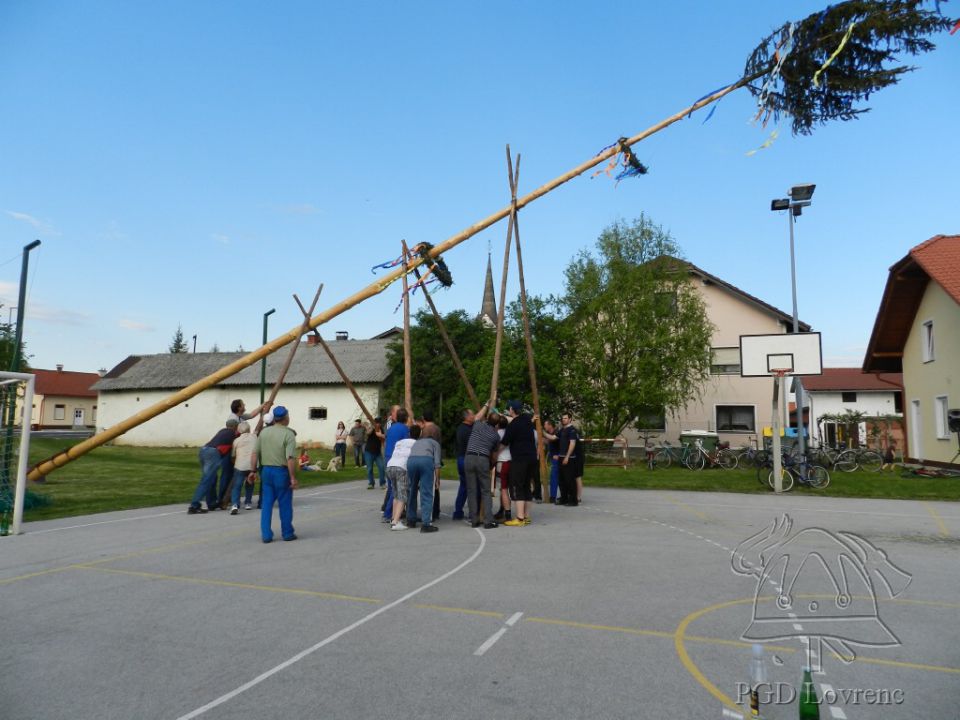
<point x="799" y="353"/>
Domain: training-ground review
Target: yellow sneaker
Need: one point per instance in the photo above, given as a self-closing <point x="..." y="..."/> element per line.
<point x="518" y="522"/>
<point x="527" y="520"/>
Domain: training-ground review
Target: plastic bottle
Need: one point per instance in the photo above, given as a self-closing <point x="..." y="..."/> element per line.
<point x="758" y="677"/>
<point x="809" y="705"/>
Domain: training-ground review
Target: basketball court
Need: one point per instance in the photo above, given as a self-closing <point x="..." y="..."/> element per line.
<point x="625" y="607"/>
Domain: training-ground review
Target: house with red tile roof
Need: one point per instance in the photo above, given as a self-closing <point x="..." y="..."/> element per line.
<point x="64" y="399"/>
<point x="839" y="391"/>
<point x="917" y="332"/>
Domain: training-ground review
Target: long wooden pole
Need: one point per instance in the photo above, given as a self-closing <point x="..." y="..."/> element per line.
<point x="82" y="448"/>
<point x="502" y="310"/>
<point x="449" y="343"/>
<point x="343" y="376"/>
<point x="293" y="351"/>
<point x="407" y="386"/>
<point x="513" y="177"/>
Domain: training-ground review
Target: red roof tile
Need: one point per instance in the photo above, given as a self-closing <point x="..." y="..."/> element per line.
<point x="852" y="379"/>
<point x="940" y="258"/>
<point x="65" y="382"/>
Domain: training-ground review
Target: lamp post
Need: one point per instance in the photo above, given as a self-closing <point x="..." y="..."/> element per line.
<point x="801" y="196"/>
<point x="263" y="363"/>
<point x="194" y="343"/>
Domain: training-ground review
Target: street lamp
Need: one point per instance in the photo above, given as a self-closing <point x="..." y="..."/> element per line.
<point x="263" y="362"/>
<point x="800" y="197"/>
<point x="194" y="343"/>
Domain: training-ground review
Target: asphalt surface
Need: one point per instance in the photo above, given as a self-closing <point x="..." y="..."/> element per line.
<point x="625" y="607"/>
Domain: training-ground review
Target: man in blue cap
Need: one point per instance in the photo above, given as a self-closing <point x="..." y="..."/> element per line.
<point x="277" y="449"/>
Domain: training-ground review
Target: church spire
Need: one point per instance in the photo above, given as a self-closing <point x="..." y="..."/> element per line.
<point x="488" y="311"/>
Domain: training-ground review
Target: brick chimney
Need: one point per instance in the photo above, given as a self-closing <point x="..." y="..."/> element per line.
<point x="312" y="339"/>
<point x="343" y="335"/>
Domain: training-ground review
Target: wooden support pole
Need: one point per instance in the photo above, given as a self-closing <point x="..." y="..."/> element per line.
<point x="513" y="177"/>
<point x="407" y="369"/>
<point x="502" y="310"/>
<point x="333" y="359"/>
<point x="304" y="328"/>
<point x="82" y="448"/>
<point x="449" y="343"/>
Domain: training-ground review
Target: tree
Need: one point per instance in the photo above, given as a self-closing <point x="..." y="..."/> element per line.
<point x="637" y="334"/>
<point x="178" y="345"/>
<point x="215" y="348"/>
<point x="8" y="336"/>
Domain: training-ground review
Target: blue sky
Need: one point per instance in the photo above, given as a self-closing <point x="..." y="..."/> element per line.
<point x="196" y="163"/>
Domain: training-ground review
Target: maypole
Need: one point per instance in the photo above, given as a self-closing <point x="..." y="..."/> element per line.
<point x="815" y="69"/>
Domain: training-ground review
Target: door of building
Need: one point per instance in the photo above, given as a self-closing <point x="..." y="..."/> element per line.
<point x="78" y="417"/>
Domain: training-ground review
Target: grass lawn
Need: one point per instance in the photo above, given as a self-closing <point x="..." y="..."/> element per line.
<point x="121" y="478"/>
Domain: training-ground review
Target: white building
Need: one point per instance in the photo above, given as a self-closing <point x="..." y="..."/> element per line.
<point x="313" y="391"/>
<point x="840" y="390"/>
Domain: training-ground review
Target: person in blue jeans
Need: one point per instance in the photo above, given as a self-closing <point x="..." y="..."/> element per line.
<point x="277" y="452"/>
<point x="553" y="450"/>
<point x="210" y="456"/>
<point x="373" y="455"/>
<point x="398" y="430"/>
<point x="463" y="438"/>
<point x="422" y="465"/>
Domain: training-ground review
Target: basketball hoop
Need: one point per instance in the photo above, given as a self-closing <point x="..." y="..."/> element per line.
<point x="780" y="372"/>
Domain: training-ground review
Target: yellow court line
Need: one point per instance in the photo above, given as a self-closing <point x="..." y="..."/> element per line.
<point x="608" y="628"/>
<point x="701" y="515"/>
<point x="227" y="583"/>
<point x="158" y="549"/>
<point x="465" y="611"/>
<point x="899" y="664"/>
<point x="941" y="525"/>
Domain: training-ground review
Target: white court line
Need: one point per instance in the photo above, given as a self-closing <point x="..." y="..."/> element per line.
<point x="489" y="642"/>
<point x="104" y="522"/>
<point x="838" y="713"/>
<point x="808" y="509"/>
<point x="340" y="633"/>
<point x="797" y="627"/>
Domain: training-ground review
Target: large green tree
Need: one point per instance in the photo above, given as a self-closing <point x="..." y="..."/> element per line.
<point x="637" y="334"/>
<point x="8" y="336"/>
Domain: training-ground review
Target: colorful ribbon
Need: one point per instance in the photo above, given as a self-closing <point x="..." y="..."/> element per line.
<point x="767" y="143"/>
<point x="840" y="47"/>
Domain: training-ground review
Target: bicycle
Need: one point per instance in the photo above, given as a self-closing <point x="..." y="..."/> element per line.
<point x="799" y="470"/>
<point x="858" y="458"/>
<point x="722" y="458"/>
<point x="749" y="454"/>
<point x="669" y="454"/>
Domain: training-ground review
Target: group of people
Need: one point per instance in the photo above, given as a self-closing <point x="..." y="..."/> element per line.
<point x="239" y="456"/>
<point x="493" y="450"/>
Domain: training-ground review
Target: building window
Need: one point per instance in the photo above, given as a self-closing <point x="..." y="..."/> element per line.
<point x="318" y="413"/>
<point x="898" y="402"/>
<point x="654" y="419"/>
<point x="59" y="412"/>
<point x="927" y="340"/>
<point x="940" y="417"/>
<point x="735" y="418"/>
<point x="848" y="397"/>
<point x="726" y="361"/>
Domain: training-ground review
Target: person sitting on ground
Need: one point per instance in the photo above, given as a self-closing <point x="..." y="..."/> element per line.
<point x="305" y="464"/>
<point x="397" y="472"/>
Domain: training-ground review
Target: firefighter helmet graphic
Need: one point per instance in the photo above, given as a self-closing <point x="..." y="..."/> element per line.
<point x="819" y="585"/>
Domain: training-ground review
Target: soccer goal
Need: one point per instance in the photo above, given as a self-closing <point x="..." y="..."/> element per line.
<point x="606" y="452"/>
<point x="16" y="409"/>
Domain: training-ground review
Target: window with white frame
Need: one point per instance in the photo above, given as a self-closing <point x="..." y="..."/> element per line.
<point x="940" y="417"/>
<point x="927" y="340"/>
<point x="59" y="412"/>
<point x="736" y="418"/>
<point x="726" y="361"/>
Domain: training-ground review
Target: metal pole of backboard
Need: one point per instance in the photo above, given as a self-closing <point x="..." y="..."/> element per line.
<point x="777" y="464"/>
<point x="26" y="411"/>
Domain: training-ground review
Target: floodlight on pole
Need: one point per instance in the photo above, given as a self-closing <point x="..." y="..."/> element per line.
<point x="801" y="196"/>
<point x="194" y="343"/>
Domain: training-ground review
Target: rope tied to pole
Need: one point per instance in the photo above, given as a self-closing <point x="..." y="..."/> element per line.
<point x="632" y="167"/>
